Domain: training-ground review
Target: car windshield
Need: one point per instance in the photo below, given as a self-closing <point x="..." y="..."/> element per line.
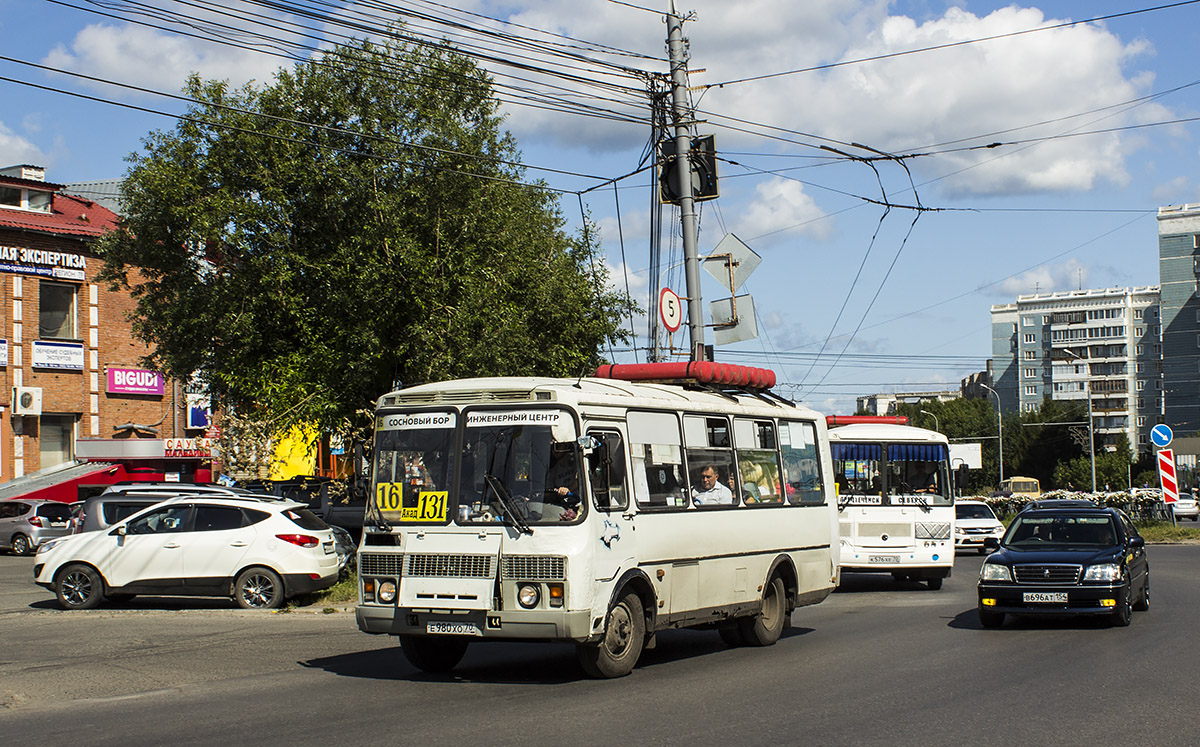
<point x="1034" y="532"/>
<point x="973" y="511"/>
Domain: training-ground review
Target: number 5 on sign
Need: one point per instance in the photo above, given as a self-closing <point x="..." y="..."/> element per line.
<point x="670" y="309"/>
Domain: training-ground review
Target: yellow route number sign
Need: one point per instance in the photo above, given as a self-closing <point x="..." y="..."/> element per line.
<point x="431" y="504"/>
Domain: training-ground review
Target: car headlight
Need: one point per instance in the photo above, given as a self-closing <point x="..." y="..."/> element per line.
<point x="994" y="572"/>
<point x="387" y="591"/>
<point x="959" y="530"/>
<point x="1103" y="572"/>
<point x="528" y="595"/>
<point x="49" y="544"/>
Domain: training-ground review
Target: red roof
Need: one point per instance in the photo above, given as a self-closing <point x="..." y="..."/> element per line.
<point x="70" y="215"/>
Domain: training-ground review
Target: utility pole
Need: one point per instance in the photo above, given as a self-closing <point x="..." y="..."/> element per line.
<point x="683" y="176"/>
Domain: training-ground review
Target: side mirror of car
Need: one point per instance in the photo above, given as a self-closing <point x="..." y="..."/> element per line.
<point x="120" y="531"/>
<point x="991" y="543"/>
<point x="1136" y="542"/>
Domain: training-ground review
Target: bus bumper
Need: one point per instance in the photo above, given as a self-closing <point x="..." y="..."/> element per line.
<point x="524" y="625"/>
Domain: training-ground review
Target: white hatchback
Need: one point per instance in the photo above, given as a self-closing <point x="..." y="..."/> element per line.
<point x="260" y="552"/>
<point x="974" y="522"/>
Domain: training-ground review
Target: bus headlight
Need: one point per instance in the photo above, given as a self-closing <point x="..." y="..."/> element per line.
<point x="387" y="591"/>
<point x="529" y="595"/>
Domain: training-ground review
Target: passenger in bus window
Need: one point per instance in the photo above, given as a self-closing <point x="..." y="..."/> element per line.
<point x="710" y="491"/>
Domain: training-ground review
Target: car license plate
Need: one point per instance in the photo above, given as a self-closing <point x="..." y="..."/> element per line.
<point x="446" y="628"/>
<point x="328" y="547"/>
<point x="1045" y="597"/>
<point x="884" y="558"/>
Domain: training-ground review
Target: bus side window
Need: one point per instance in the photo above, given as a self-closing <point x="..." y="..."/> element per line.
<point x="612" y="451"/>
<point x="656" y="459"/>
<point x="757" y="461"/>
<point x="709" y="447"/>
<point x="801" y="463"/>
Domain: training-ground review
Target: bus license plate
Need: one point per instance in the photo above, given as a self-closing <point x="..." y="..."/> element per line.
<point x="445" y="628"/>
<point x="1051" y="597"/>
<point x="885" y="558"/>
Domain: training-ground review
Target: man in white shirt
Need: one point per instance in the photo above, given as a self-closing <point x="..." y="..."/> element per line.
<point x="710" y="492"/>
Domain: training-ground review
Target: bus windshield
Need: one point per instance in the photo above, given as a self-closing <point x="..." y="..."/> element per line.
<point x="891" y="474"/>
<point x="516" y="467"/>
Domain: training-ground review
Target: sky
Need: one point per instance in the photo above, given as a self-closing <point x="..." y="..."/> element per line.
<point x="876" y="275"/>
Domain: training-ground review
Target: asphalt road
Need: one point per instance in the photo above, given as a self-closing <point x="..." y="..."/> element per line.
<point x="876" y="663"/>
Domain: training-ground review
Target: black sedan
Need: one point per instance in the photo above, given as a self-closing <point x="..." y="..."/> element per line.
<point x="1066" y="561"/>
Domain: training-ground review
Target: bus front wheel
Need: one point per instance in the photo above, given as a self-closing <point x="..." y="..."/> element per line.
<point x="624" y="636"/>
<point x="434" y="655"/>
<point x="765" y="628"/>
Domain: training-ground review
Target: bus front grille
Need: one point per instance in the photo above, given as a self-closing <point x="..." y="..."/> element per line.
<point x="933" y="530"/>
<point x="379" y="564"/>
<point x="533" y="567"/>
<point x="449" y="566"/>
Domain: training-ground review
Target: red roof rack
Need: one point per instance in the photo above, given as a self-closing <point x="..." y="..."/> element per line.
<point x="701" y="372"/>
<point x="835" y="420"/>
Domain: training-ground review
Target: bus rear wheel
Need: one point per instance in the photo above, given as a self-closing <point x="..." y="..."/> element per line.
<point x="765" y="628"/>
<point x="434" y="655"/>
<point x="624" y="637"/>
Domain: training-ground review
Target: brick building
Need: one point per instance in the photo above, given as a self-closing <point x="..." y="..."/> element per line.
<point x="69" y="361"/>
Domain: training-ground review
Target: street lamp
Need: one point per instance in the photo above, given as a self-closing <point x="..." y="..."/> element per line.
<point x="999" y="429"/>
<point x="935" y="420"/>
<point x="1091" y="420"/>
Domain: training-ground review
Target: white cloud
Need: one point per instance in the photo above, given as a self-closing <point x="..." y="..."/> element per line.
<point x="779" y="205"/>
<point x="143" y="57"/>
<point x="895" y="104"/>
<point x="1174" y="192"/>
<point x="1070" y="275"/>
<point x="15" y="149"/>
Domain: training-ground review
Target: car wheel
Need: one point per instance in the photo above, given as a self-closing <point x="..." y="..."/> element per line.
<point x="934" y="583"/>
<point x="990" y="619"/>
<point x="258" y="589"/>
<point x="624" y="636"/>
<point x="21" y="545"/>
<point x="433" y="655"/>
<point x="765" y="628"/>
<point x="1143" y="602"/>
<point x="78" y="587"/>
<point x="1123" y="615"/>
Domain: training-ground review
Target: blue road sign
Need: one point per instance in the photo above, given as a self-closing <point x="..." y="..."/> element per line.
<point x="1161" y="435"/>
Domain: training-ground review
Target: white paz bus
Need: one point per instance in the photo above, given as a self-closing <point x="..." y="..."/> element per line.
<point x="895" y="498"/>
<point x="596" y="511"/>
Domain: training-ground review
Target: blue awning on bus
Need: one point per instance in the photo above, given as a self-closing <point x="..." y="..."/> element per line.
<point x="916" y="452"/>
<point x="855" y="452"/>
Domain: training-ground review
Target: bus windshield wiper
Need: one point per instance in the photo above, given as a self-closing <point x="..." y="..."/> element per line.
<point x="505" y="503"/>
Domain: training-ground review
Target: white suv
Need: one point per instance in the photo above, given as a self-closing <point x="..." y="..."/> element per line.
<point x="258" y="552"/>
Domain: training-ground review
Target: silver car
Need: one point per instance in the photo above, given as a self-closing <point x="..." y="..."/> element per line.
<point x="26" y="524"/>
<point x="1185" y="507"/>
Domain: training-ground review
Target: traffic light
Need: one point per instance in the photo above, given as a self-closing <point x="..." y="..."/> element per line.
<point x="704" y="170"/>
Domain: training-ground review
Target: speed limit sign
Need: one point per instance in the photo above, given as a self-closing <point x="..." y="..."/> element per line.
<point x="670" y="309"/>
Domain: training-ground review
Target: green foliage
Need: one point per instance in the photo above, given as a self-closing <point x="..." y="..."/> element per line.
<point x="304" y="245"/>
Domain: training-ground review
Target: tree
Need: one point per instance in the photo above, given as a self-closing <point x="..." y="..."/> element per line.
<point x="304" y="246"/>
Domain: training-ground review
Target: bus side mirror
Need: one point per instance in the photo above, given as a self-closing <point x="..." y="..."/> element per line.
<point x="962" y="477"/>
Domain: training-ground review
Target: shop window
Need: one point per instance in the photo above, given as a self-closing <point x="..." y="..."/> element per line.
<point x="56" y="310"/>
<point x="56" y="437"/>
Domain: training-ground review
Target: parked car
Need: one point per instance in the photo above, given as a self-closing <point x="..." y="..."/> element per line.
<point x="125" y="499"/>
<point x="26" y="524"/>
<point x="974" y="522"/>
<point x="258" y="552"/>
<point x="1079" y="560"/>
<point x="1185" y="507"/>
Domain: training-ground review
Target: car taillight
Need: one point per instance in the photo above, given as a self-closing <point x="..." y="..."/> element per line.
<point x="35" y="521"/>
<point x="303" y="540"/>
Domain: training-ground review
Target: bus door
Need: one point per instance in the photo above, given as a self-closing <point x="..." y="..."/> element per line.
<point x="608" y="476"/>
